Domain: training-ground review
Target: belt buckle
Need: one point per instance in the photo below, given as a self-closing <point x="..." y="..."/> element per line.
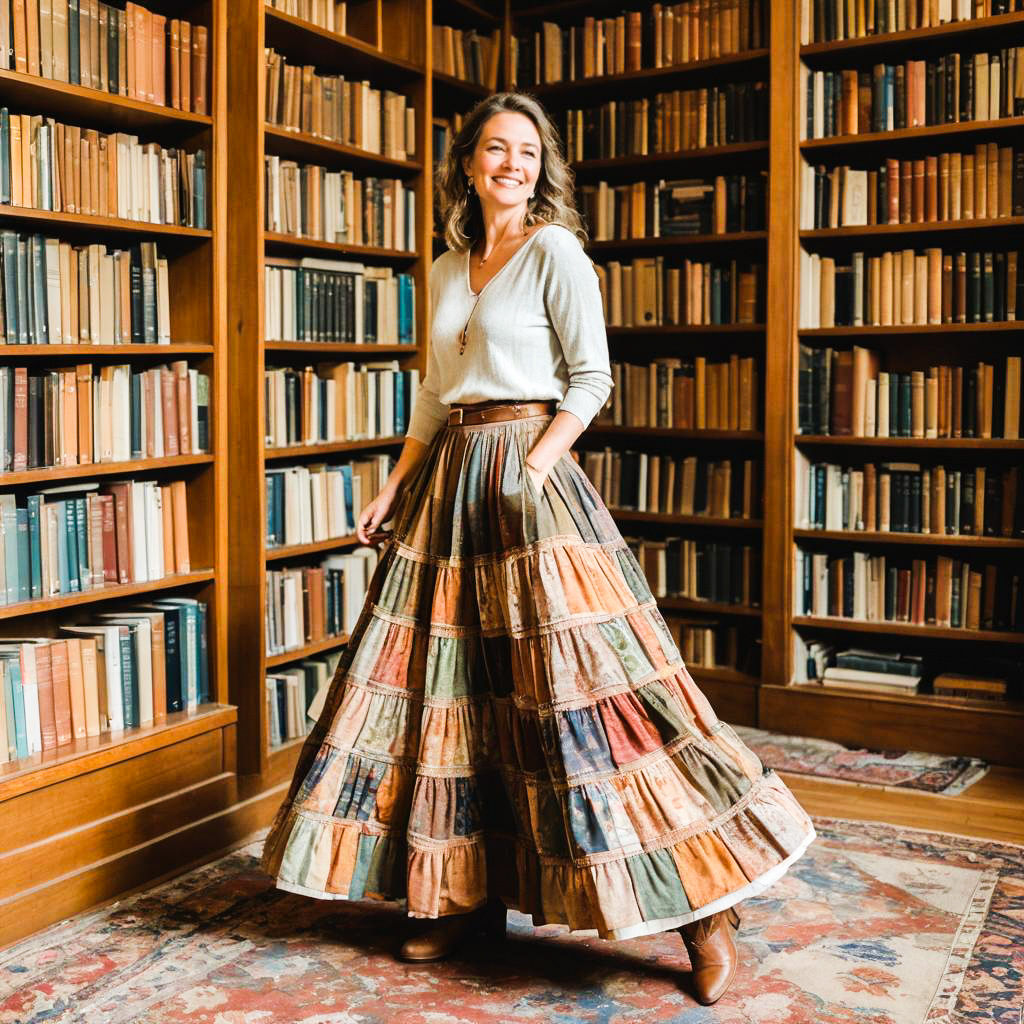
<point x="461" y="413"/>
<point x="518" y="409"/>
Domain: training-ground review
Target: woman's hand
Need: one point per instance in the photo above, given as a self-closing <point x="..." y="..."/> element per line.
<point x="376" y="512"/>
<point x="536" y="477"/>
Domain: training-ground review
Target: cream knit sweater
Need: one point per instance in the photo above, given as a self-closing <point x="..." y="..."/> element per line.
<point x="535" y="331"/>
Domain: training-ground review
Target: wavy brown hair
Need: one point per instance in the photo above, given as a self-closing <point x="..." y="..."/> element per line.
<point x="552" y="201"/>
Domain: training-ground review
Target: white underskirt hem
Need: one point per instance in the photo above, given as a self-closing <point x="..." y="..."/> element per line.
<point x="664" y="924"/>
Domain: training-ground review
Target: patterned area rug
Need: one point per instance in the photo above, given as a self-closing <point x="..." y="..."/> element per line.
<point x="874" y="925"/>
<point x="803" y="755"/>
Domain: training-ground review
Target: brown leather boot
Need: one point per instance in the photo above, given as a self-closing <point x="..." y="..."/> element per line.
<point x="713" y="957"/>
<point x="444" y="935"/>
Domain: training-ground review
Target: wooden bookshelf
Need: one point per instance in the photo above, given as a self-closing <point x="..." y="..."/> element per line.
<point x="88" y="819"/>
<point x="924" y="721"/>
<point x="384" y="46"/>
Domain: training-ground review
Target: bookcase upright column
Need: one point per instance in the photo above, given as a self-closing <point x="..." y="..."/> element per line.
<point x="779" y="339"/>
<point x="246" y="517"/>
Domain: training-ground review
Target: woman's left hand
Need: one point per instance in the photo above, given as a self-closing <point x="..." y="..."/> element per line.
<point x="536" y="477"/>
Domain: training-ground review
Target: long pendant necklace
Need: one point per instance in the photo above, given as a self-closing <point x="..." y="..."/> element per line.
<point x="463" y="336"/>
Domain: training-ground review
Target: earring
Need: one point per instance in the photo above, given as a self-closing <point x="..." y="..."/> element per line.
<point x="469" y="183"/>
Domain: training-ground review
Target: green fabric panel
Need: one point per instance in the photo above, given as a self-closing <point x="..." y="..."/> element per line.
<point x="659" y="890"/>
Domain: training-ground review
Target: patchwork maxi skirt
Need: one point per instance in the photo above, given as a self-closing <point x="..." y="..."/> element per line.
<point x="511" y="718"/>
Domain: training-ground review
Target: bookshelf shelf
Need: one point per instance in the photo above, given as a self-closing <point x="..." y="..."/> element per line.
<point x="975" y="31"/>
<point x="896" y="329"/>
<point x="89" y="470"/>
<point x="171" y="351"/>
<point x="304" y="146"/>
<point x="926" y="699"/>
<point x="919" y="539"/>
<point x="112" y="225"/>
<point x="681" y="433"/>
<point x="330" y="447"/>
<point x="339" y="348"/>
<point x="715" y="522"/>
<point x="668" y="160"/>
<point x="315" y="548"/>
<point x="982" y="444"/>
<point x="105" y="593"/>
<point x="960" y="129"/>
<point x="686" y="604"/>
<point x="665" y="330"/>
<point x="907" y="231"/>
<point x="107" y="109"/>
<point x="723" y="675"/>
<point x="331" y="643"/>
<point x="456" y="90"/>
<point x="989" y="636"/>
<point x="733" y="65"/>
<point x="277" y="241"/>
<point x="474" y="10"/>
<point x="735" y="238"/>
<point x="313" y="44"/>
<point x="74" y="759"/>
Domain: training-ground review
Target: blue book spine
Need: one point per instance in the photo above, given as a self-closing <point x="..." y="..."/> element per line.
<point x="24" y="569"/>
<point x="172" y="649"/>
<point x="62" y="552"/>
<point x="271" y="525"/>
<point x="35" y="547"/>
<point x="5" y="152"/>
<point x="74" y="57"/>
<point x="82" y="537"/>
<point x="71" y="539"/>
<point x="129" y="679"/>
<point x="399" y="382"/>
<point x="346" y="482"/>
<point x="16" y="707"/>
<point x="192" y="660"/>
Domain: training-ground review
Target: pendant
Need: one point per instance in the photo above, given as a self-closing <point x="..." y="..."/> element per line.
<point x="462" y="341"/>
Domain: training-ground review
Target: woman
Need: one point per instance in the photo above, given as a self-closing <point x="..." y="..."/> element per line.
<point x="511" y="723"/>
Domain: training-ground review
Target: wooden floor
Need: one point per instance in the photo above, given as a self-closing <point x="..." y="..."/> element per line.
<point x="993" y="808"/>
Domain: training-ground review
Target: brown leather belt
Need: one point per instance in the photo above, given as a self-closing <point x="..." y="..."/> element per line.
<point x="493" y="412"/>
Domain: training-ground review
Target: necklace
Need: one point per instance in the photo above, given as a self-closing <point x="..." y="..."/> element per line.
<point x="463" y="335"/>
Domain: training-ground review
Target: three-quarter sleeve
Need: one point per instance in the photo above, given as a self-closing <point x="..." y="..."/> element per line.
<point x="429" y="412"/>
<point x="572" y="297"/>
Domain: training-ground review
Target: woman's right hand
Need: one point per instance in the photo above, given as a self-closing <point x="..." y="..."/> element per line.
<point x="378" y="511"/>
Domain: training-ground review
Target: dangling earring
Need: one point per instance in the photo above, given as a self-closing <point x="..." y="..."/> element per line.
<point x="469" y="183"/>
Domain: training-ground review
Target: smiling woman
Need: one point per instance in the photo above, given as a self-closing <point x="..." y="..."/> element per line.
<point x="511" y="723"/>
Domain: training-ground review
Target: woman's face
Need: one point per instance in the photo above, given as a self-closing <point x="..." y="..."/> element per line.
<point x="506" y="163"/>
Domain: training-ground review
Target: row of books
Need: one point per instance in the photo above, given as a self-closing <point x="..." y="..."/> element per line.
<point x="829" y="21"/>
<point x="647" y="291"/>
<point x="131" y="52"/>
<point x="900" y="672"/>
<point x="55" y="293"/>
<point x="707" y="643"/>
<point x="339" y="109"/>
<point x="328" y="14"/>
<point x="844" y="391"/>
<point x="694" y="206"/>
<point x="309" y="201"/>
<point x="115" y="671"/>
<point x="466" y="54"/>
<point x="675" y="485"/>
<point x="985" y="184"/>
<point x="700" y="570"/>
<point x="86" y="535"/>
<point x="935" y="591"/>
<point x="907" y="497"/>
<point x="907" y="286"/>
<point x="337" y="402"/>
<point x="308" y="504"/>
<point x="685" y="393"/>
<point x="309" y="604"/>
<point x="81" y="415"/>
<point x="668" y="122"/>
<point x="664" y="35"/>
<point x="342" y="301"/>
<point x="951" y="89"/>
<point x="295" y="695"/>
<point x="47" y="165"/>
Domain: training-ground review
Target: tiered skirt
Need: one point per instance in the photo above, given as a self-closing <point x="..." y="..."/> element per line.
<point x="512" y="719"/>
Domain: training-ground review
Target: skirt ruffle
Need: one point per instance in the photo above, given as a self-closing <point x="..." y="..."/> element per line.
<point x="511" y="718"/>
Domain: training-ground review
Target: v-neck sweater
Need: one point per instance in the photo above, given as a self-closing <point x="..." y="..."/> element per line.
<point x="535" y="331"/>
